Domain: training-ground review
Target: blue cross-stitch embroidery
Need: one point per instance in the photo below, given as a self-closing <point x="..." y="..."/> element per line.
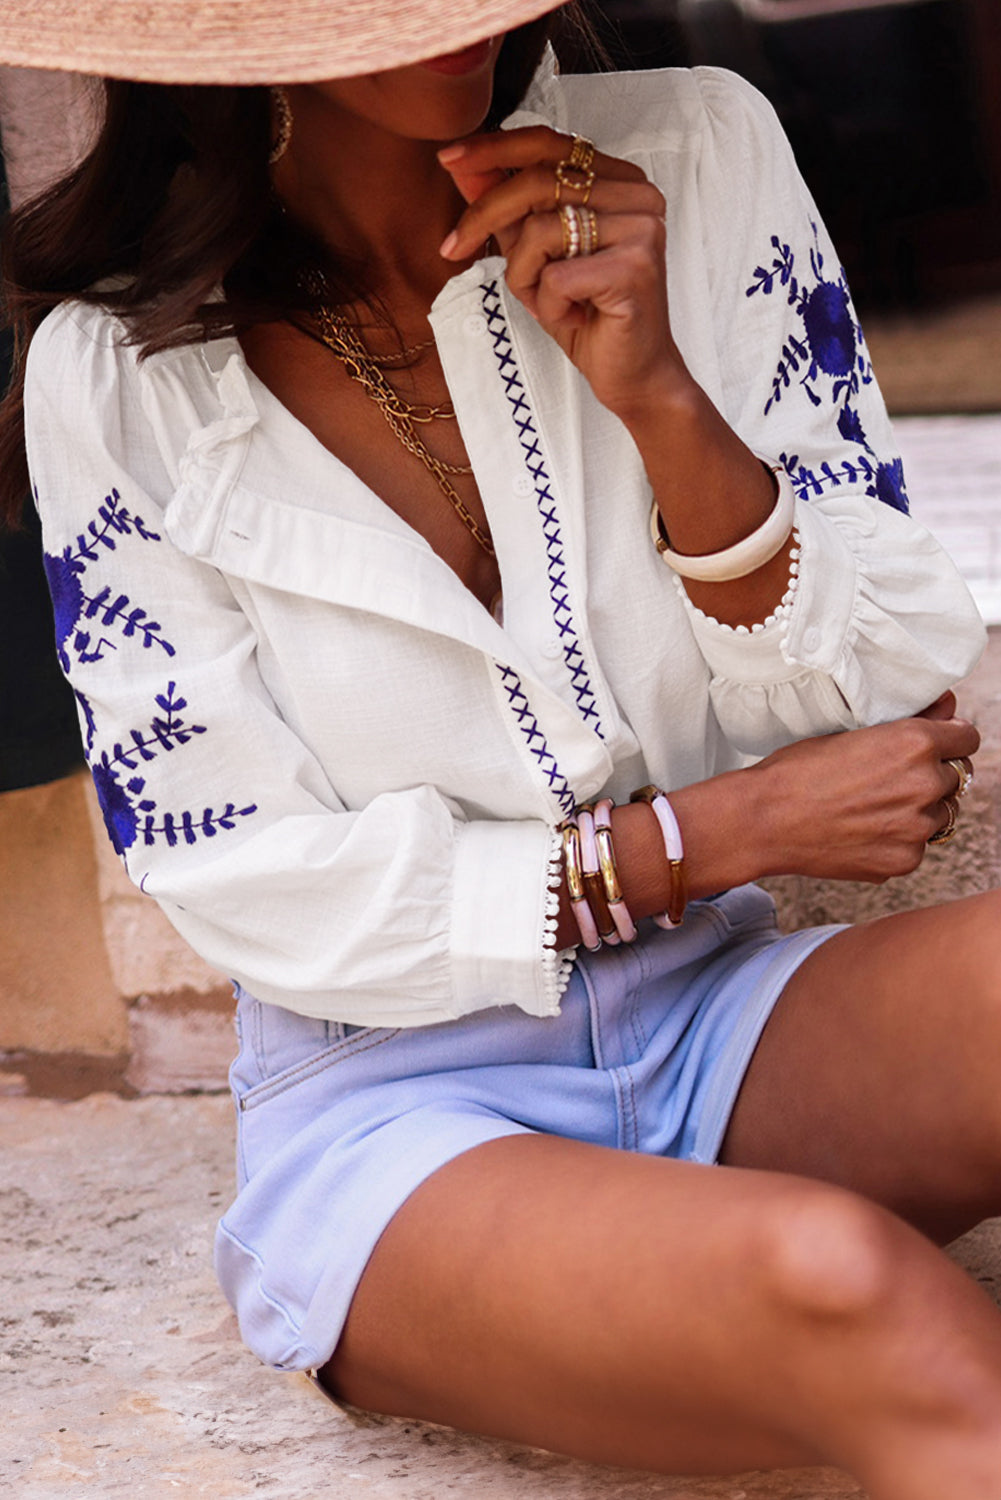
<point x="108" y="609"/>
<point x="127" y="811"/>
<point x="535" y="739"/>
<point x="528" y="437"/>
<point x="831" y="364"/>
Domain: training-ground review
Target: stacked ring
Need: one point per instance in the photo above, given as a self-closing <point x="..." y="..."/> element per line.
<point x="962" y="768"/>
<point x="580" y="230"/>
<point x="943" y="835"/>
<point x="570" y="222"/>
<point x="576" y="170"/>
<point x="581" y="153"/>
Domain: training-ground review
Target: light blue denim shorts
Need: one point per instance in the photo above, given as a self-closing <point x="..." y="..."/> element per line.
<point x="338" y="1125"/>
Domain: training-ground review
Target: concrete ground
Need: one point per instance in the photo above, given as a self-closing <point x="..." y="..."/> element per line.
<point x="123" y="1373"/>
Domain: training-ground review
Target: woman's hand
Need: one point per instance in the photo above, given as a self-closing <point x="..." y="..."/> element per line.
<point x="863" y="804"/>
<point x="607" y="310"/>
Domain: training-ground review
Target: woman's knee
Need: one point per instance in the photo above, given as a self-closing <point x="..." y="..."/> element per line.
<point x="825" y="1252"/>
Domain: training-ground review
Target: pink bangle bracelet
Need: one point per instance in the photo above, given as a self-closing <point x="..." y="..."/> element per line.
<point x="619" y="912"/>
<point x="592" y="875"/>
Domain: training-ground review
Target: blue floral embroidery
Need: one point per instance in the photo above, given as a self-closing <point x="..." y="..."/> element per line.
<point x="830" y="355"/>
<point x="832" y="348"/>
<point x="559" y="594"/>
<point x="71" y="604"/>
<point x="889" y="485"/>
<point x="883" y="481"/>
<point x="127" y="812"/>
<point x="536" y="740"/>
<point x="90" y="725"/>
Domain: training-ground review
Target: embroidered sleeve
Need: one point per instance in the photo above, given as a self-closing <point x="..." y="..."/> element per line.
<point x="880" y="623"/>
<point x="396" y="913"/>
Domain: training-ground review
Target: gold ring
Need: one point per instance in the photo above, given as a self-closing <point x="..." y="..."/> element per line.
<point x="581" y="153"/>
<point x="964" y="771"/>
<point x="945" y="834"/>
<point x="579" y="179"/>
<point x="588" y="231"/>
<point x="571" y="224"/>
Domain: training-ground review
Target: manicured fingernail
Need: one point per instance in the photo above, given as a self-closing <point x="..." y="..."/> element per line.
<point x="451" y="153"/>
<point x="449" y="243"/>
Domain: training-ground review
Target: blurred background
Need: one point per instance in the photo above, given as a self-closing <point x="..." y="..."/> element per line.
<point x="894" y="111"/>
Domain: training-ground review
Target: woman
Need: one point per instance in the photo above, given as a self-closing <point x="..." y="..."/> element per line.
<point x="408" y="499"/>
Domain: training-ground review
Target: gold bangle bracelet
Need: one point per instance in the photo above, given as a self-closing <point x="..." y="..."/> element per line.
<point x="606" y="860"/>
<point x="572" y="864"/>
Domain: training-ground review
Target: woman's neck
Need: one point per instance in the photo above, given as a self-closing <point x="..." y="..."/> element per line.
<point x="384" y="200"/>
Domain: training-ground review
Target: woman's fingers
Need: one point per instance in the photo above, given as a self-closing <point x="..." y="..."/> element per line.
<point x="514" y="150"/>
<point x="504" y="192"/>
<point x="616" y="250"/>
<point x="955" y="738"/>
<point x="876" y="795"/>
<point x="508" y="206"/>
<point x="473" y="182"/>
<point x="944" y="707"/>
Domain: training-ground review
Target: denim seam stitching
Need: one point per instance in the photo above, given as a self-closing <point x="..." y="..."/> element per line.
<point x="313" y="1065"/>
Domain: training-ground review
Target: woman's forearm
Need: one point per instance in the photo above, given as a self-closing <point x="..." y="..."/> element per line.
<point x="711" y="490"/>
<point x="720" y="825"/>
<point x="860" y="805"/>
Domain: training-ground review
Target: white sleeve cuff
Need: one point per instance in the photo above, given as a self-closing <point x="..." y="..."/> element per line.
<point x="503" y="918"/>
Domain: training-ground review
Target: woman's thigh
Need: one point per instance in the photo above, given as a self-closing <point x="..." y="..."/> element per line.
<point x="669" y="1316"/>
<point x="880" y="1067"/>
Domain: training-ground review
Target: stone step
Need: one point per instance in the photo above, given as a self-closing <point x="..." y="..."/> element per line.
<point x="128" y="1377"/>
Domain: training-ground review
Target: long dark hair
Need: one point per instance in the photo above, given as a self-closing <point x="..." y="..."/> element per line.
<point x="173" y="203"/>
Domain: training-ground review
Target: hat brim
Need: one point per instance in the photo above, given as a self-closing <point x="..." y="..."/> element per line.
<point x="247" y="41"/>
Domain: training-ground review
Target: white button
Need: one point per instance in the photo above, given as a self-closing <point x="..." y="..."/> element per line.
<point x="811" y="639"/>
<point x="475" y="325"/>
<point x="552" y="648"/>
<point x="523" y="485"/>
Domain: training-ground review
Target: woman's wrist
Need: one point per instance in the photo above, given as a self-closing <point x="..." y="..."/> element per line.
<point x="666" y="394"/>
<point x="727" y="831"/>
<point x="724" y="828"/>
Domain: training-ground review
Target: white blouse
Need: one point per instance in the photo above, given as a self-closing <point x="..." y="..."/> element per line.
<point x="337" y="774"/>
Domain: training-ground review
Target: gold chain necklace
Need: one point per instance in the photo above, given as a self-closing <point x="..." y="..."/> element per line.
<point x="401" y="356"/>
<point x="342" y="340"/>
<point x="365" y="368"/>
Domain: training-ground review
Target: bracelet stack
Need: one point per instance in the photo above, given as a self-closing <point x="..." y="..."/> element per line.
<point x="596" y="897"/>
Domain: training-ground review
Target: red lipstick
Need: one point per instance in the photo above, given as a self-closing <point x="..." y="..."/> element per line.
<point x="468" y="60"/>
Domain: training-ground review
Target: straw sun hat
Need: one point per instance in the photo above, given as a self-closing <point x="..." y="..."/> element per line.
<point x="247" y="41"/>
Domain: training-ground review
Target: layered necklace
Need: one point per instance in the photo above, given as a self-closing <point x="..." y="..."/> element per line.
<point x="404" y="417"/>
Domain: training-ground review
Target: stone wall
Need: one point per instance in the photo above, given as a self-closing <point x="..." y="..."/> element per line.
<point x="97" y="990"/>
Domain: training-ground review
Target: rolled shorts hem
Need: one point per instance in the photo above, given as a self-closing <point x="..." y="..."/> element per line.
<point x="783" y="961"/>
<point x="267" y="1326"/>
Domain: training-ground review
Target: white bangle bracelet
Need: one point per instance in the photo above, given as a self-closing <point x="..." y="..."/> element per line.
<point x="743" y="557"/>
<point x="674" y="851"/>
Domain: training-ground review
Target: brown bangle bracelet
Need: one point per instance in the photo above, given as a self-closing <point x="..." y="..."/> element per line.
<point x="594" y="885"/>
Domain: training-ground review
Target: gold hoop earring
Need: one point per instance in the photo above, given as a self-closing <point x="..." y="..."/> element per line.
<point x="283" y="121"/>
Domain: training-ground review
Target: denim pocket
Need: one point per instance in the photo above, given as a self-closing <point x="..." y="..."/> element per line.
<point x="359" y="1039"/>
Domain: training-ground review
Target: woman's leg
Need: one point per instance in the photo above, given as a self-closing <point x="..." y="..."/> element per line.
<point x="676" y="1317"/>
<point x="880" y="1069"/>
